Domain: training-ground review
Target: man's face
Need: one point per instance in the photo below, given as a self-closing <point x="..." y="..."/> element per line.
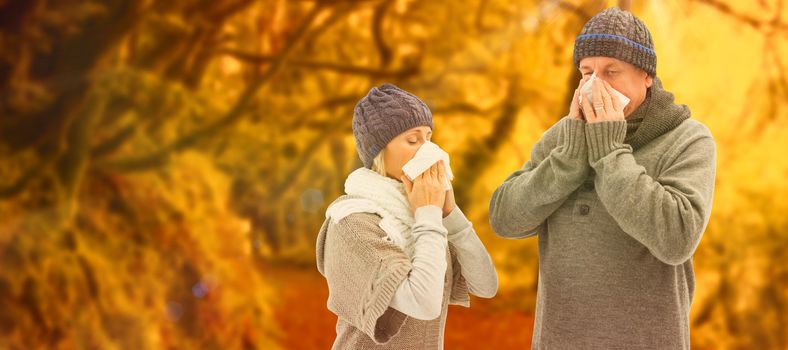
<point x="622" y="76"/>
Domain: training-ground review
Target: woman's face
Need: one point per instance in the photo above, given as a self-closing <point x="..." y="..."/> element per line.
<point x="631" y="81"/>
<point x="402" y="148"/>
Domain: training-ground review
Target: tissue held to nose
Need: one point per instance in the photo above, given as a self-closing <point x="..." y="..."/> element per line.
<point x="585" y="90"/>
<point x="427" y="155"/>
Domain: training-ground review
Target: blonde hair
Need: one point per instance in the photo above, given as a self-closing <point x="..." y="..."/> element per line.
<point x="377" y="164"/>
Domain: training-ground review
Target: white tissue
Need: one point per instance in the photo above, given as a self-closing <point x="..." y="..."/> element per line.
<point x="427" y="155"/>
<point x="585" y="90"/>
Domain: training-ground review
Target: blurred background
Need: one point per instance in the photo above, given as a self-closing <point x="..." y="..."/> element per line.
<point x="165" y="165"/>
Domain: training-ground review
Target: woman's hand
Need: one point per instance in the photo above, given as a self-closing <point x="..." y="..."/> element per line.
<point x="428" y="188"/>
<point x="450" y="204"/>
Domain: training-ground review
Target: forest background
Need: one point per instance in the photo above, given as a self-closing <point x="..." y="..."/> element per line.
<point x="165" y="165"/>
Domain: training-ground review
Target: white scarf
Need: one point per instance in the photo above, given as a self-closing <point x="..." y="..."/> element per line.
<point x="380" y="195"/>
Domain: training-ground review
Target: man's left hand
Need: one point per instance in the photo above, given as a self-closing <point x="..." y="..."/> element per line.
<point x="603" y="106"/>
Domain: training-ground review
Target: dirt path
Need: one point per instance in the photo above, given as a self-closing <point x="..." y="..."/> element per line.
<point x="306" y="323"/>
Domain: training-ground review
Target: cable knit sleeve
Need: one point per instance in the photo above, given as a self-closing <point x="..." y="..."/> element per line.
<point x="666" y="212"/>
<point x="521" y="204"/>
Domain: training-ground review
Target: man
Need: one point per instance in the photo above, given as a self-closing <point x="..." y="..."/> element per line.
<point x="619" y="197"/>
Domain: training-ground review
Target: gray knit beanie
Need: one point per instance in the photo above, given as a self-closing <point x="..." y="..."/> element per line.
<point x="384" y="113"/>
<point x="618" y="34"/>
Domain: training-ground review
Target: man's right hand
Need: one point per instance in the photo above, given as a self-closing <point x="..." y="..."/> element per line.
<point x="428" y="188"/>
<point x="574" y="108"/>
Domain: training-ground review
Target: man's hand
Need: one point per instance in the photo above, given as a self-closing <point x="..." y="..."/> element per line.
<point x="603" y="107"/>
<point x="574" y="108"/>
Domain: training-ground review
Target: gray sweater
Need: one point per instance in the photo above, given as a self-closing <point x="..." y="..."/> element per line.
<point x="617" y="228"/>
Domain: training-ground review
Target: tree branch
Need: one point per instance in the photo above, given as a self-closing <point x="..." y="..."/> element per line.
<point x="66" y="69"/>
<point x="238" y="110"/>
<point x="377" y="33"/>
<point x="21" y="182"/>
<point x="478" y="20"/>
<point x="463" y="107"/>
<point x="114" y="142"/>
<point x="579" y="12"/>
<point x="301" y="120"/>
<point x="477" y="155"/>
<point x="300" y="165"/>
<point x="321" y="65"/>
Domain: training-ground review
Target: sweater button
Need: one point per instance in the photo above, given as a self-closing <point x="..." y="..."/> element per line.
<point x="584" y="209"/>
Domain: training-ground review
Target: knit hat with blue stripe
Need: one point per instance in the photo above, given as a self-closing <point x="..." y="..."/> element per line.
<point x="618" y="34"/>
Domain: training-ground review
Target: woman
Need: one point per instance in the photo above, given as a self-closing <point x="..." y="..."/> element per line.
<point x="396" y="253"/>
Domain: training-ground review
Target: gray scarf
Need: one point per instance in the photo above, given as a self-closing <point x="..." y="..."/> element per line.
<point x="657" y="115"/>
